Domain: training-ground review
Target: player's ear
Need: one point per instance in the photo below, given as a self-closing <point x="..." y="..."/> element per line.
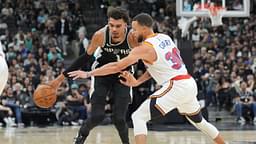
<point x="144" y="28"/>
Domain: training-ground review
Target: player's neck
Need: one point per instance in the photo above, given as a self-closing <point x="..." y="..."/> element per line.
<point x="118" y="40"/>
<point x="149" y="33"/>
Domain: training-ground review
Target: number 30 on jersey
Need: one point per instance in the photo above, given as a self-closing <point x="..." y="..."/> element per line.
<point x="174" y="57"/>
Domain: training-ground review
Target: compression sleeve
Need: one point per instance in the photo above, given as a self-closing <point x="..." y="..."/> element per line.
<point x="78" y="63"/>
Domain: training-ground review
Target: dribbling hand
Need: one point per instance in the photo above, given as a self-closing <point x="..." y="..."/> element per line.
<point x="79" y="74"/>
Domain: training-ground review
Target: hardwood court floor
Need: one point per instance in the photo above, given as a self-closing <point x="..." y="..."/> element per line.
<point x="108" y="135"/>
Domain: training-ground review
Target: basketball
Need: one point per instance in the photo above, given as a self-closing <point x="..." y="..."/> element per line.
<point x="45" y="96"/>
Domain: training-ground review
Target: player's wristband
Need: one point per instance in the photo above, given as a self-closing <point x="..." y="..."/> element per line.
<point x="89" y="74"/>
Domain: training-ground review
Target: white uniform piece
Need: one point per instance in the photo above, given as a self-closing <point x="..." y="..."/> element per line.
<point x="3" y="70"/>
<point x="179" y="90"/>
<point x="180" y="94"/>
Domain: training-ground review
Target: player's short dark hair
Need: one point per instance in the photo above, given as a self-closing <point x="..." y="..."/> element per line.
<point x="144" y="19"/>
<point x="118" y="13"/>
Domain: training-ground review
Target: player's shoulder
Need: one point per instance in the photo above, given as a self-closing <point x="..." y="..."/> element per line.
<point x="98" y="36"/>
<point x="158" y="37"/>
<point x="99" y="33"/>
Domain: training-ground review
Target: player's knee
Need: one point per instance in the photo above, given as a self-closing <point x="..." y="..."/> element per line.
<point x="139" y="119"/>
<point x="135" y="116"/>
<point x="197" y="118"/>
<point x="119" y="121"/>
<point x="139" y="123"/>
<point x="208" y="128"/>
<point x="200" y="123"/>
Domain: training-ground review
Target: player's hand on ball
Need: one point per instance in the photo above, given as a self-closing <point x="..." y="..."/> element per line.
<point x="79" y="74"/>
<point x="129" y="79"/>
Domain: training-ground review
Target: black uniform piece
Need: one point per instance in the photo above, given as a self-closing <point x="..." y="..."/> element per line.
<point x="102" y="85"/>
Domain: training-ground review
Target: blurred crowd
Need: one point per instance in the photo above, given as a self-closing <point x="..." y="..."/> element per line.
<point x="35" y="35"/>
<point x="38" y="33"/>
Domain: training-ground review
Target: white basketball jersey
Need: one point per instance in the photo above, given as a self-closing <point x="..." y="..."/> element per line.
<point x="169" y="62"/>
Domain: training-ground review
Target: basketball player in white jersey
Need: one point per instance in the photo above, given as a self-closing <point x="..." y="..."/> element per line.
<point x="3" y="70"/>
<point x="164" y="64"/>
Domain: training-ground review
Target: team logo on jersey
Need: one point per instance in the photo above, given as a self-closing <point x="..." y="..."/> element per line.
<point x="117" y="51"/>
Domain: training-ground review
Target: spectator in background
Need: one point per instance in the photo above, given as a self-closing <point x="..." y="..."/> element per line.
<point x="83" y="41"/>
<point x="224" y="93"/>
<point x="84" y="90"/>
<point x="29" y="42"/>
<point x="243" y="101"/>
<point x="3" y="26"/>
<point x="54" y="55"/>
<point x="77" y="103"/>
<point x="7" y="10"/>
<point x="60" y="106"/>
<point x="6" y="116"/>
<point x="29" y="61"/>
<point x="23" y="50"/>
<point x="25" y="98"/>
<point x="41" y="18"/>
<point x="65" y="116"/>
<point x="212" y="87"/>
<point x="11" y="54"/>
<point x="62" y="28"/>
<point x="83" y="44"/>
<point x="11" y="101"/>
<point x="73" y="109"/>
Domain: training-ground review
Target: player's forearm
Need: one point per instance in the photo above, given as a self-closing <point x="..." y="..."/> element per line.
<point x="107" y="69"/>
<point x="146" y="76"/>
<point x="78" y="63"/>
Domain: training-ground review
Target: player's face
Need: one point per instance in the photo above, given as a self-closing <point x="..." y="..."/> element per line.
<point x="117" y="27"/>
<point x="138" y="31"/>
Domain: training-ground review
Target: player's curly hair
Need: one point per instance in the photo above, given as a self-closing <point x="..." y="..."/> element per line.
<point x="118" y="13"/>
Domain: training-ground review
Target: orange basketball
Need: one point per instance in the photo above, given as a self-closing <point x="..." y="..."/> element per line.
<point x="44" y="96"/>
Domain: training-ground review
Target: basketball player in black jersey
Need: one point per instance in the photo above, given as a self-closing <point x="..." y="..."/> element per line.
<point x="114" y="42"/>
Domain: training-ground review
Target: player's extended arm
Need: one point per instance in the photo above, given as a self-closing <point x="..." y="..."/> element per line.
<point x="96" y="41"/>
<point x="107" y="69"/>
<point x="114" y="67"/>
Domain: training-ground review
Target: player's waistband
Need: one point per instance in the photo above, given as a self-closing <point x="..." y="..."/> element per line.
<point x="181" y="77"/>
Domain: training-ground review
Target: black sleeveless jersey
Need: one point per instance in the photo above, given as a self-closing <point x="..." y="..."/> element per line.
<point x="111" y="52"/>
